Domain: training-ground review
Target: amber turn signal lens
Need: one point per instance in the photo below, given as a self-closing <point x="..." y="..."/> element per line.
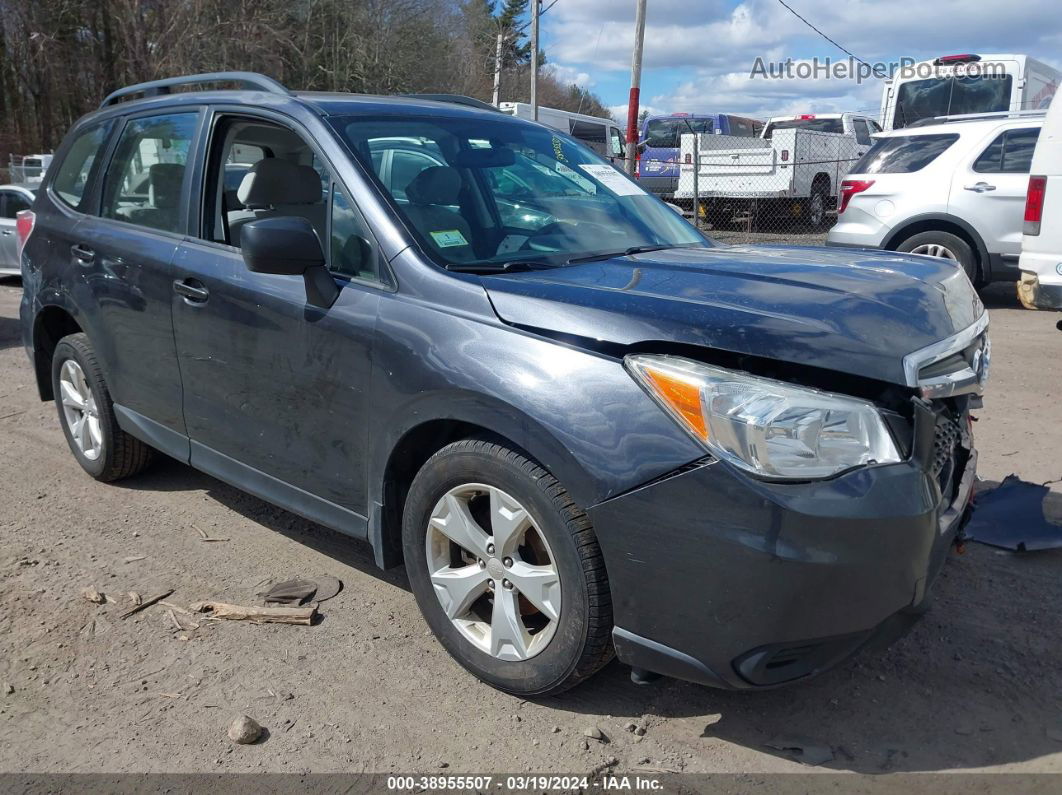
<point x="683" y="397"/>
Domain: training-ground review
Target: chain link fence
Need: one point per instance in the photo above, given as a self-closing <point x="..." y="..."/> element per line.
<point x="783" y="189"/>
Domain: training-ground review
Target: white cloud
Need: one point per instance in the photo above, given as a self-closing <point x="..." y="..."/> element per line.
<point x="715" y="43"/>
<point x="570" y="75"/>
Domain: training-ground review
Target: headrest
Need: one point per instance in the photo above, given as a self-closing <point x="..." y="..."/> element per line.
<point x="164" y="184"/>
<point x="435" y="185"/>
<point x="273" y="181"/>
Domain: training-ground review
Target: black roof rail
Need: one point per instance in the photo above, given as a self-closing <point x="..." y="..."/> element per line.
<point x="456" y="99"/>
<point x="154" y="88"/>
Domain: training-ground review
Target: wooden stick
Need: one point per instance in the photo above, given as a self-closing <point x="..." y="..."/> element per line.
<point x="259" y="615"/>
<point x="146" y="603"/>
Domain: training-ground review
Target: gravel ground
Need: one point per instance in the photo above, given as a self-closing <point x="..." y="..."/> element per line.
<point x="976" y="685"/>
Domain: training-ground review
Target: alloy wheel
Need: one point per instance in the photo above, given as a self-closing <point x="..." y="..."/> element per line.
<point x="493" y="572"/>
<point x="79" y="410"/>
<point x="935" y="250"/>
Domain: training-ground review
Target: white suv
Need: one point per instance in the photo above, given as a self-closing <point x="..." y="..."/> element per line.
<point x="952" y="187"/>
<point x="1041" y="252"/>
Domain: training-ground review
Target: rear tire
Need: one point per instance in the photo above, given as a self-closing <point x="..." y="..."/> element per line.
<point x="816" y="209"/>
<point x="479" y="480"/>
<point x="946" y="246"/>
<point x="86" y="414"/>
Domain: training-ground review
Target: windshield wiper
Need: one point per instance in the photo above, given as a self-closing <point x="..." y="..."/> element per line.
<point x="497" y="267"/>
<point x="625" y="253"/>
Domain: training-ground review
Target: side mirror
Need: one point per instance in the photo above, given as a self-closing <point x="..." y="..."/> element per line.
<point x="288" y="246"/>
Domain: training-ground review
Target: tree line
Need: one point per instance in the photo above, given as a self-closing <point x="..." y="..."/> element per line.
<point x="59" y="58"/>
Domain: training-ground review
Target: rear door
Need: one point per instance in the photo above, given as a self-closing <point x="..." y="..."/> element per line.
<point x="989" y="186"/>
<point x="124" y="256"/>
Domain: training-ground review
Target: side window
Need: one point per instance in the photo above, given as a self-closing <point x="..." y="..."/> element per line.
<point x="11" y="203"/>
<point x="874" y="126"/>
<point x="145" y="177"/>
<point x="1010" y="153"/>
<point x="73" y="175"/>
<point x="862" y="133"/>
<point x="616" y="140"/>
<point x="350" y="250"/>
<point x="1018" y="147"/>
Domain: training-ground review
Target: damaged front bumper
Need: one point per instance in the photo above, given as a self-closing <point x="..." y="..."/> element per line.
<point x="1034" y="294"/>
<point x="733" y="582"/>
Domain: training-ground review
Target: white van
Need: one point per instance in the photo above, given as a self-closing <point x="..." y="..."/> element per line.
<point x="602" y="135"/>
<point x="952" y="85"/>
<point x="1040" y="286"/>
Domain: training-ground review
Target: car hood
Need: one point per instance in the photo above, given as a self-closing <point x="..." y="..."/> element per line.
<point x="855" y="311"/>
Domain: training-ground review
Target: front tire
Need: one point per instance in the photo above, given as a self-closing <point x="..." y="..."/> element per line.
<point x="86" y="414"/>
<point x="506" y="569"/>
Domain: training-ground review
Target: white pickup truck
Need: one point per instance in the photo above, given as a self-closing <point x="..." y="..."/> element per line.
<point x="793" y="169"/>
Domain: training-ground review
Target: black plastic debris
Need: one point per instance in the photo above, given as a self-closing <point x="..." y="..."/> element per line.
<point x="1011" y="516"/>
<point x="299" y="592"/>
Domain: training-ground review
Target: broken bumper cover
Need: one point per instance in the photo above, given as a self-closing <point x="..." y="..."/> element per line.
<point x="731" y="582"/>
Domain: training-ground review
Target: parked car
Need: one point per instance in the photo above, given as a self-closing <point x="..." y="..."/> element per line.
<point x="952" y="188"/>
<point x="602" y="135"/>
<point x="13" y="199"/>
<point x="793" y="170"/>
<point x="657" y="166"/>
<point x="1040" y="265"/>
<point x="588" y="431"/>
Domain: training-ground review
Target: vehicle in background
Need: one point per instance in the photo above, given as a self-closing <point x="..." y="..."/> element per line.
<point x="953" y="85"/>
<point x="28" y="168"/>
<point x="952" y="188"/>
<point x="604" y="136"/>
<point x="13" y="200"/>
<point x="792" y="170"/>
<point x="658" y="145"/>
<point x="1040" y="265"/>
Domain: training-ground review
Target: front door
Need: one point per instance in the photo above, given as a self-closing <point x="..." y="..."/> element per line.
<point x="275" y="389"/>
<point x="988" y="190"/>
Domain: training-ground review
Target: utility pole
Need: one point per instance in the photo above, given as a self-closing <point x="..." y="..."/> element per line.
<point x="636" y="83"/>
<point x="497" y="70"/>
<point x="534" y="57"/>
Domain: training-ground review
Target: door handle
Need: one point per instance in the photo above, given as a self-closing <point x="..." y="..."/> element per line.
<point x="82" y="253"/>
<point x="7" y="233"/>
<point x="979" y="187"/>
<point x="191" y="290"/>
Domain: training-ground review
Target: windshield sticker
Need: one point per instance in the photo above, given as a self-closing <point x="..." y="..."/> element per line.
<point x="612" y="179"/>
<point x="558" y="151"/>
<point x="448" y="238"/>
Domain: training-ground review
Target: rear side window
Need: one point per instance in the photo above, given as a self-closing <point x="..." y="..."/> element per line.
<point x="903" y="154"/>
<point x="1010" y="153"/>
<point x="75" y="172"/>
<point x="11" y="203"/>
<point x="862" y="132"/>
<point x="146" y="174"/>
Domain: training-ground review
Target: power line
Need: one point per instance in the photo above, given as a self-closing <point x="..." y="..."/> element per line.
<point x="540" y="13"/>
<point x="848" y="52"/>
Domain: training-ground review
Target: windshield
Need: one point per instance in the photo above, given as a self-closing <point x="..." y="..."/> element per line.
<point x="951" y="96"/>
<point x="478" y="192"/>
<point x="664" y="133"/>
<point x="815" y="125"/>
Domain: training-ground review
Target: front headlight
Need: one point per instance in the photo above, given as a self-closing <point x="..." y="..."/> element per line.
<point x="767" y="427"/>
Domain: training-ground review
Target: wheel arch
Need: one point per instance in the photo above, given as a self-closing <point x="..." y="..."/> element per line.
<point x="51" y="323"/>
<point x="402" y="455"/>
<point x="940" y="222"/>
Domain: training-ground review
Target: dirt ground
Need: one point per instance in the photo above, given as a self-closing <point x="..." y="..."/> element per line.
<point x="976" y="685"/>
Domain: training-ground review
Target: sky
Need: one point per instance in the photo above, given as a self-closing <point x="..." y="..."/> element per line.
<point x="699" y="53"/>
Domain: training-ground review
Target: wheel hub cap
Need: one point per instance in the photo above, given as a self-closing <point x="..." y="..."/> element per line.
<point x="505" y="601"/>
<point x="79" y="410"/>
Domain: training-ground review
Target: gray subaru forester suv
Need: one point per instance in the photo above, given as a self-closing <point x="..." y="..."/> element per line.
<point x="585" y="428"/>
